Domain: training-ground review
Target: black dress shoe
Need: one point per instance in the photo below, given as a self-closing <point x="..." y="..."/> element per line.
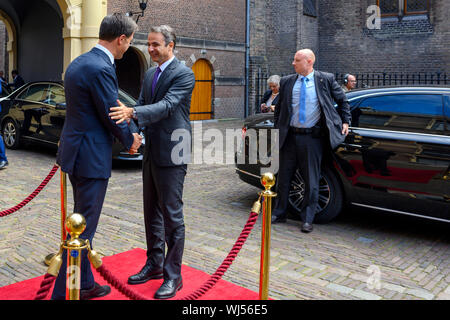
<point x="96" y="292"/>
<point x="306" y="228"/>
<point x="3" y="164"/>
<point x="169" y="288"/>
<point x="278" y="219"/>
<point x="147" y="273"/>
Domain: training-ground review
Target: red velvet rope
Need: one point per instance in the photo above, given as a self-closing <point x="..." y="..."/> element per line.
<point x="227" y="261"/>
<point x="124" y="289"/>
<point x="46" y="285"/>
<point x="31" y="196"/>
<point x="119" y="285"/>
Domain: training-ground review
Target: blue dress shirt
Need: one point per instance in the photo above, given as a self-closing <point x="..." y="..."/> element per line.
<point x="312" y="103"/>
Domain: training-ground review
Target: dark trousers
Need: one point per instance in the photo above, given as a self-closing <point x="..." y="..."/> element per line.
<point x="163" y="215"/>
<point x="2" y="146"/>
<point x="2" y="150"/>
<point x="302" y="151"/>
<point x="88" y="195"/>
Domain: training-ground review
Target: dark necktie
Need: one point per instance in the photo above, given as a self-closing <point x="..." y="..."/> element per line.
<point x="155" y="79"/>
<point x="302" y="109"/>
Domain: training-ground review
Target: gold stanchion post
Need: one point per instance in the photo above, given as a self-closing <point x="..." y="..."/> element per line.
<point x="63" y="204"/>
<point x="268" y="181"/>
<point x="75" y="225"/>
<point x="63" y="187"/>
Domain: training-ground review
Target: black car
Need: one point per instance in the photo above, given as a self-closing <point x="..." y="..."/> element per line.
<point x="396" y="157"/>
<point x="35" y="113"/>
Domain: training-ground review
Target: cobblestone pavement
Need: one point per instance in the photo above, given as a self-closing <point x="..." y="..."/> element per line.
<point x="339" y="260"/>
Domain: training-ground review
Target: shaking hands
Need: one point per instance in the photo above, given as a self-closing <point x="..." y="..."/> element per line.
<point x="123" y="113"/>
<point x="136" y="143"/>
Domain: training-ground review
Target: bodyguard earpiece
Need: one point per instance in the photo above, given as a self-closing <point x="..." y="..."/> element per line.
<point x="346" y="78"/>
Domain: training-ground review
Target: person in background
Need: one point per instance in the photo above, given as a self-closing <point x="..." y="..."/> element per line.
<point x="270" y="97"/>
<point x="308" y="125"/>
<point x="349" y="82"/>
<point x="2" y="77"/>
<point x="3" y="159"/>
<point x="17" y="80"/>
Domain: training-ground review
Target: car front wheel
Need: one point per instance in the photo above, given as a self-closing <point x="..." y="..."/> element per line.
<point x="11" y="134"/>
<point x="331" y="196"/>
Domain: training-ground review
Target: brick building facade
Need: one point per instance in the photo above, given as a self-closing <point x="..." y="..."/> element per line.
<point x="404" y="44"/>
<point x="208" y="31"/>
<point x="278" y="28"/>
<point x="213" y="30"/>
<point x="337" y="31"/>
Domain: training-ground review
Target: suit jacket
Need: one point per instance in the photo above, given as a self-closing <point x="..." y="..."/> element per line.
<point x="91" y="88"/>
<point x="328" y="92"/>
<point x="166" y="111"/>
<point x="266" y="97"/>
<point x="17" y="82"/>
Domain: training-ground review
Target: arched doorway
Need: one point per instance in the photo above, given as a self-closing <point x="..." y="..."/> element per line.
<point x="10" y="44"/>
<point x="201" y="103"/>
<point x="35" y="46"/>
<point x="130" y="71"/>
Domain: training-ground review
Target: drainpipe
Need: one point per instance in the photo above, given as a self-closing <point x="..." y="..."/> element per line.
<point x="247" y="55"/>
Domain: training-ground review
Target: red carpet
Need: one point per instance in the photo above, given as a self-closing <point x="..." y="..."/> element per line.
<point x="123" y="265"/>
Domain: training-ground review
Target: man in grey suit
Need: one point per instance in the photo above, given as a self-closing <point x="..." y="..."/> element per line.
<point x="163" y="109"/>
<point x="309" y="125"/>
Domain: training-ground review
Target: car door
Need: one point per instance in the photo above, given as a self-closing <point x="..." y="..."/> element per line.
<point x="54" y="104"/>
<point x="29" y="111"/>
<point x="398" y="156"/>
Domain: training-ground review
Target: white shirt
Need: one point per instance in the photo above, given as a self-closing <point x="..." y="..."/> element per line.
<point x="108" y="53"/>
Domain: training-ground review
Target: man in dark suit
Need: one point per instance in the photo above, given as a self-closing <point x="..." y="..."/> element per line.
<point x="163" y="109"/>
<point x="85" y="149"/>
<point x="308" y="124"/>
<point x="17" y="80"/>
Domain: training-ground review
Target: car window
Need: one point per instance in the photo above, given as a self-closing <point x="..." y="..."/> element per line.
<point x="36" y="92"/>
<point x="406" y="103"/>
<point x="126" y="99"/>
<point x="403" y="112"/>
<point x="56" y="95"/>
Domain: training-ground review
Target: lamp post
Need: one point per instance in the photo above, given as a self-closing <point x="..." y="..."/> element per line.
<point x="142" y="6"/>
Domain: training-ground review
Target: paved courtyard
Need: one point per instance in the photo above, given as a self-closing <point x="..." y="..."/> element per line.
<point x="362" y="255"/>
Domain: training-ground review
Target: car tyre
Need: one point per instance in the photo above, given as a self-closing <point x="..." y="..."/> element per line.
<point x="331" y="196"/>
<point x="11" y="134"/>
